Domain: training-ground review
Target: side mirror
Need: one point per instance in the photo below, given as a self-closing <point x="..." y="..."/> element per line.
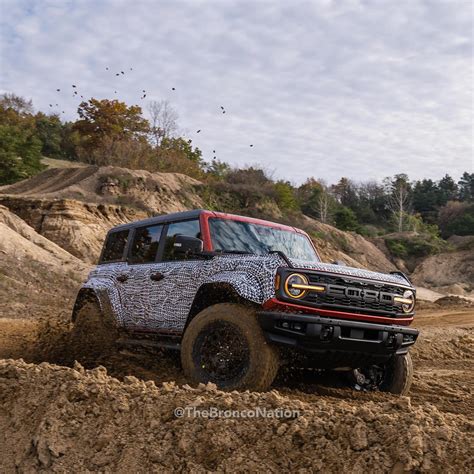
<point x="185" y="246"/>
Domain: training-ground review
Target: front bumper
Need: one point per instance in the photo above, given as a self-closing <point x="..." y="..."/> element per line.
<point x="315" y="335"/>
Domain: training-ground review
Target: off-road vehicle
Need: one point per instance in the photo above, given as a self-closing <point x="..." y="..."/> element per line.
<point x="239" y="297"/>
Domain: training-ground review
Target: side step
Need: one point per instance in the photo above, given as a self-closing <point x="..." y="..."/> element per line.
<point x="161" y="343"/>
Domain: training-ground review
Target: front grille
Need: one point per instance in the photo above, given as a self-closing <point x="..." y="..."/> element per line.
<point x="356" y="295"/>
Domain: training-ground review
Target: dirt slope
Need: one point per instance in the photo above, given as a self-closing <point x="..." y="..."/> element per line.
<point x="36" y="275"/>
<point x="450" y="272"/>
<point x="166" y="192"/>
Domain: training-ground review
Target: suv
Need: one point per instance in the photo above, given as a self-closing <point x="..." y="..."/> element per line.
<point x="239" y="297"/>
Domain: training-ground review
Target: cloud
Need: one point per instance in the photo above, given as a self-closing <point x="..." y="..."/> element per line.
<point x="362" y="89"/>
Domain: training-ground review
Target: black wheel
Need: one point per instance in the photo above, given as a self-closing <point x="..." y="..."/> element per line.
<point x="395" y="376"/>
<point x="94" y="334"/>
<point x="225" y="345"/>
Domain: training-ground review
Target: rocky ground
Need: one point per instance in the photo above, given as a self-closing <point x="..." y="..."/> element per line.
<point x="119" y="417"/>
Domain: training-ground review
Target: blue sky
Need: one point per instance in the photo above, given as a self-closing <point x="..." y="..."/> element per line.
<point x="356" y="88"/>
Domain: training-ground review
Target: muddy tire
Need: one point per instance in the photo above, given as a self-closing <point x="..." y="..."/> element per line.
<point x="94" y="334"/>
<point x="225" y="345"/>
<point x="399" y="375"/>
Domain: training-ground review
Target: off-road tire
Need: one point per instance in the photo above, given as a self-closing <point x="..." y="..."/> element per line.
<point x="94" y="333"/>
<point x="262" y="362"/>
<point x="399" y="375"/>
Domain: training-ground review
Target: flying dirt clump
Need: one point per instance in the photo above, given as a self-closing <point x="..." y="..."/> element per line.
<point x="62" y="419"/>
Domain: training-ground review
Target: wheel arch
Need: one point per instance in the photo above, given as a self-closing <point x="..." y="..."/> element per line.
<point x="85" y="295"/>
<point x="210" y="294"/>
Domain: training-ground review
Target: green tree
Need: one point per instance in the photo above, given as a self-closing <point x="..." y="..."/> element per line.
<point x="20" y="148"/>
<point x="345" y="219"/>
<point x="285" y="196"/>
<point x="466" y="187"/>
<point x="50" y="130"/>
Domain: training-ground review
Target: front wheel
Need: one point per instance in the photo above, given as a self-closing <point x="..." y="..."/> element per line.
<point x="395" y="376"/>
<point x="225" y="345"/>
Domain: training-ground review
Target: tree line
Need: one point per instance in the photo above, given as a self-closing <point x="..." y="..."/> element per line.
<point x="109" y="132"/>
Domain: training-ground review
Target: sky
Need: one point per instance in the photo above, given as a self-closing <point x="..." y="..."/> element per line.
<point x="357" y="88"/>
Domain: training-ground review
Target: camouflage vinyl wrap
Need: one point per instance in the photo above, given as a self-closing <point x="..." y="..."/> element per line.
<point x="140" y="303"/>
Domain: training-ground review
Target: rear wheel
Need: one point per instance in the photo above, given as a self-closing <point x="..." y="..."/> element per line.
<point x="225" y="345"/>
<point x="395" y="376"/>
<point x="94" y="334"/>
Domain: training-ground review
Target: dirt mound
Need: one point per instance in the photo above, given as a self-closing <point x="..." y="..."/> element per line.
<point x="441" y="272"/>
<point x="64" y="419"/>
<point x="152" y="192"/>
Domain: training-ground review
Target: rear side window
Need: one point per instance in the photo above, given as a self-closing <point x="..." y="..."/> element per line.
<point x="115" y="246"/>
<point x="188" y="228"/>
<point x="145" y="244"/>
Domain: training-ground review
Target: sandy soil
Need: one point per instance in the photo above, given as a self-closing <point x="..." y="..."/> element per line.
<point x="119" y="417"/>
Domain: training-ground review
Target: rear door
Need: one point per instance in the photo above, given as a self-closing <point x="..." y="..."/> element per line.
<point x="135" y="283"/>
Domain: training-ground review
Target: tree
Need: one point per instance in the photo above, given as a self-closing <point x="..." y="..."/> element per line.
<point x="466" y="187"/>
<point x="457" y="218"/>
<point x="285" y="196"/>
<point x="448" y="190"/>
<point x="20" y="148"/>
<point x="50" y="130"/>
<point x="345" y="219"/>
<point x="345" y="192"/>
<point x="163" y="121"/>
<point x="399" y="200"/>
<point x="426" y="198"/>
<point x="315" y="199"/>
<point x="19" y="104"/>
<point x="100" y="119"/>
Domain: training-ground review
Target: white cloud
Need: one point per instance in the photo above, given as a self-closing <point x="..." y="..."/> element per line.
<point x="355" y="88"/>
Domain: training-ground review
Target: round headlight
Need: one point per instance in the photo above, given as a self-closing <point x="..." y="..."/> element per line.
<point x="408" y="307"/>
<point x="292" y="283"/>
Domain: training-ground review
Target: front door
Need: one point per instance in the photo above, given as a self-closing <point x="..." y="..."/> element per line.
<point x="159" y="287"/>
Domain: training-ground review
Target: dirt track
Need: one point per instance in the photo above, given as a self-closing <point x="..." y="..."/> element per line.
<point x="56" y="418"/>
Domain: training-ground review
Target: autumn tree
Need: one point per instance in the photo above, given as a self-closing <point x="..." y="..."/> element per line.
<point x="111" y="119"/>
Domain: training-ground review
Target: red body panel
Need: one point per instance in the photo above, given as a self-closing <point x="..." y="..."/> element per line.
<point x="276" y="305"/>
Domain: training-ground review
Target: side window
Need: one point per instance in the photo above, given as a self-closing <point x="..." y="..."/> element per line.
<point x="145" y="244"/>
<point x="188" y="228"/>
<point x="115" y="246"/>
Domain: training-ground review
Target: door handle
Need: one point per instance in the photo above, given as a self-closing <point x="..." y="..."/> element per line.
<point x="122" y="278"/>
<point x="157" y="276"/>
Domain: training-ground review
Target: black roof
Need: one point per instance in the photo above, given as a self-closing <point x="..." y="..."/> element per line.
<point x="176" y="216"/>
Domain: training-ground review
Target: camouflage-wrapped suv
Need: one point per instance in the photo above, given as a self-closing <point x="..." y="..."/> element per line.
<point x="240" y="296"/>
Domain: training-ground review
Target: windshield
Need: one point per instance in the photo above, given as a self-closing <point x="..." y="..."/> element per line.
<point x="237" y="236"/>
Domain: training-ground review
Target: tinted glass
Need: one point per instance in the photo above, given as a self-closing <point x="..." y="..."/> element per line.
<point x="145" y="244"/>
<point x="228" y="235"/>
<point x="115" y="246"/>
<point x="188" y="228"/>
